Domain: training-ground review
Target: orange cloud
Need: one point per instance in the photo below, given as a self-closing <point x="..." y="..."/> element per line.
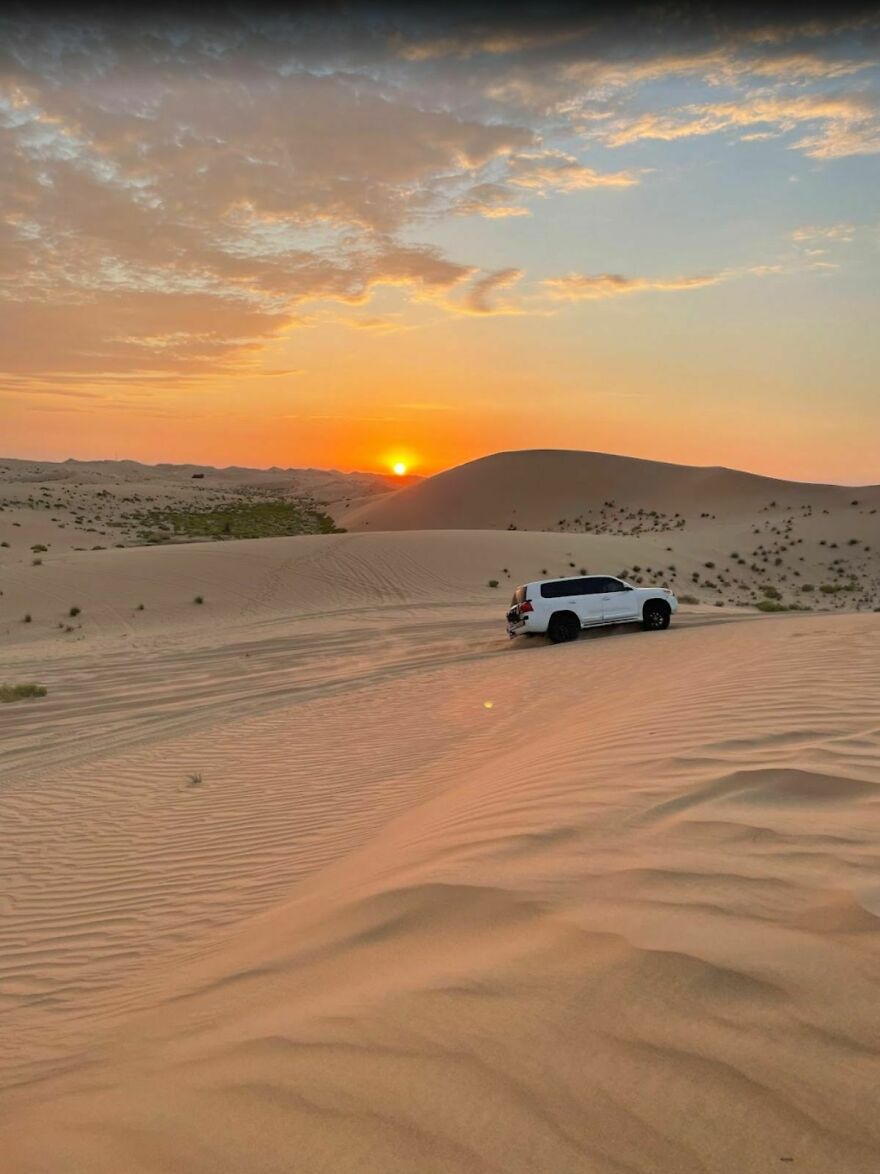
<point x="847" y="125"/>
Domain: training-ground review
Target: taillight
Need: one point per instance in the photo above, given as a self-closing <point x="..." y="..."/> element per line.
<point x="525" y="606"/>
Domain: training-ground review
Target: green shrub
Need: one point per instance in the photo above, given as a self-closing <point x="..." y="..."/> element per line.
<point x="74" y="611"/>
<point x="770" y="592"/>
<point x="493" y="582"/>
<point x="19" y="692"/>
<point x="770" y="605"/>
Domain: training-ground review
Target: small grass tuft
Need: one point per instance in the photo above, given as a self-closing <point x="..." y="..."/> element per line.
<point x="74" y="611"/>
<point x="27" y="619"/>
<point x="198" y="599"/>
<point x="20" y="692"/>
<point x="194" y="780"/>
<point x="493" y="582"/>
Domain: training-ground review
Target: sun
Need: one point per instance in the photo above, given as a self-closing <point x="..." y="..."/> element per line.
<point x="399" y="468"/>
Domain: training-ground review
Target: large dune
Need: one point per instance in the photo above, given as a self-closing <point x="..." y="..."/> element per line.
<point x="536" y="489"/>
<point x="324" y="874"/>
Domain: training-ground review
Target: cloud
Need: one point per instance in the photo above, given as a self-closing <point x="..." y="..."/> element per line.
<point x="479" y="296"/>
<point x="845" y="124"/>
<point x="555" y="171"/>
<point x="495" y="201"/>
<point x="827" y="232"/>
<point x="176" y="195"/>
<point x="576" y="287"/>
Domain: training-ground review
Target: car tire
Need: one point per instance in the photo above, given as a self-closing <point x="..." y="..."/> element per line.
<point x="656" y="615"/>
<point x="564" y="626"/>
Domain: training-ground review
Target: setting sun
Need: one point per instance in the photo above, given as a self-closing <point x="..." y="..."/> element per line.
<point x="399" y="468"/>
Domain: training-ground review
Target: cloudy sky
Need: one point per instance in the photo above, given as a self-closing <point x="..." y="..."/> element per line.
<point x="340" y="236"/>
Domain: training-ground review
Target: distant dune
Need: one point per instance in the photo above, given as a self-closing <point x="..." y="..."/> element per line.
<point x="534" y="489"/>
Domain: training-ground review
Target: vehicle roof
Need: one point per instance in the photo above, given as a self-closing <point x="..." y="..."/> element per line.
<point x="561" y="578"/>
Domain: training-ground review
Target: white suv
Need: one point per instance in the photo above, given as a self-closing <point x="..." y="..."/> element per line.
<point x="562" y="607"/>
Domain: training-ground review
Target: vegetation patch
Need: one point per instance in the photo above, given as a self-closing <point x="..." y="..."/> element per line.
<point x="248" y="519"/>
<point x="20" y="692"/>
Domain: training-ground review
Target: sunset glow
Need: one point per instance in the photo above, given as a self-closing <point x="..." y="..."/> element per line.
<point x="399" y="468"/>
<point x="288" y="245"/>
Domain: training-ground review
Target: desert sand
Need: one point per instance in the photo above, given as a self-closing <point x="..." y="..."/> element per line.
<point x="325" y="874"/>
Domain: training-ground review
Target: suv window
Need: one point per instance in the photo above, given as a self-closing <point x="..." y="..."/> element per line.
<point x="609" y="585"/>
<point x="519" y="595"/>
<point x="558" y="589"/>
<point x="562" y="587"/>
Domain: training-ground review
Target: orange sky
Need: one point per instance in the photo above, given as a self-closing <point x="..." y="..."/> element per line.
<point x="383" y="240"/>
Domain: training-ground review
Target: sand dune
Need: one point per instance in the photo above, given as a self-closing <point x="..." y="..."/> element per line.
<point x="323" y="873"/>
<point x="535" y="489"/>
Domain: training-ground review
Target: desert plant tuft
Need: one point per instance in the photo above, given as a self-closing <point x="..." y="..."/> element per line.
<point x="27" y="618"/>
<point x="36" y="562"/>
<point x="688" y="599"/>
<point x="19" y="692"/>
<point x="140" y="607"/>
<point x="493" y="582"/>
<point x="195" y="779"/>
<point x="198" y="599"/>
<point x="74" y="611"/>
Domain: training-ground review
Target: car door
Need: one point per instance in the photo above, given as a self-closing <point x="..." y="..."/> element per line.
<point x="619" y="602"/>
<point x="587" y="598"/>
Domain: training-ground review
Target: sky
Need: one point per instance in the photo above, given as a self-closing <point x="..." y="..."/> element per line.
<point x="349" y="236"/>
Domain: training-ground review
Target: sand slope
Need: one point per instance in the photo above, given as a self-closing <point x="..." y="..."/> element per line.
<point x="534" y="489"/>
<point x="439" y="902"/>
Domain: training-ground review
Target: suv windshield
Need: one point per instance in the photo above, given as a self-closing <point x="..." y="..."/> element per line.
<point x="519" y="595"/>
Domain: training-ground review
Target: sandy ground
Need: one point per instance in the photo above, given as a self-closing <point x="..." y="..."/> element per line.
<point x="325" y="874"/>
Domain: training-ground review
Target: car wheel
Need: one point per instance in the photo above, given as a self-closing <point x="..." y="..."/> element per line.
<point x="563" y="627"/>
<point x="656" y="616"/>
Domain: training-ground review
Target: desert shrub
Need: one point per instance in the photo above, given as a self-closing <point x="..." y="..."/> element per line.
<point x="74" y="611"/>
<point x="195" y="779"/>
<point x="688" y="599"/>
<point x="198" y="599"/>
<point x="19" y="692"/>
<point x="39" y="548"/>
<point x="493" y="582"/>
<point x="807" y="587"/>
<point x="27" y="618"/>
<point x="140" y="607"/>
<point x="770" y="605"/>
<point x="36" y="562"/>
<point x="770" y="592"/>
